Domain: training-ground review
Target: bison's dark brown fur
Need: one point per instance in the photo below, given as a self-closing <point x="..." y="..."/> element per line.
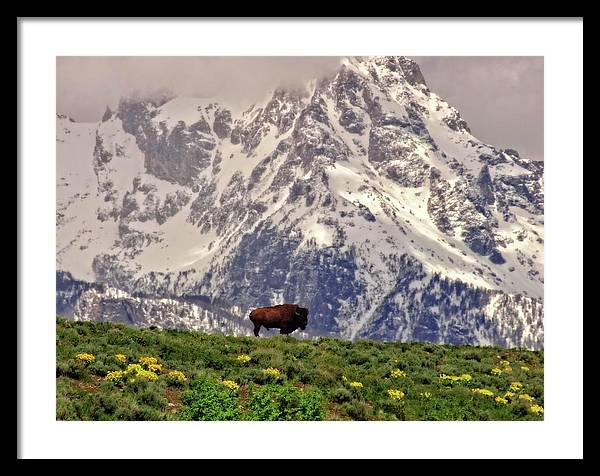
<point x="286" y="317"/>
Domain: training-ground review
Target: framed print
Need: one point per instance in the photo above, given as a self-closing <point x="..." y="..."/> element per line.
<point x="297" y="236"/>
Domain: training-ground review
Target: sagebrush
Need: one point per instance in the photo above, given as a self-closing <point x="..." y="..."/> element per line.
<point x="113" y="372"/>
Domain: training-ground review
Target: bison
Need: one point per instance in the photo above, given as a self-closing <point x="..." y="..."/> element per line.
<point x="286" y="317"/>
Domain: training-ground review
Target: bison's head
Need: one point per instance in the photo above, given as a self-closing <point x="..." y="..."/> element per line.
<point x="301" y="317"/>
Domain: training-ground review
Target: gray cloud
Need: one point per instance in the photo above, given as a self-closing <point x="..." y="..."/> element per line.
<point x="86" y="85"/>
<point x="500" y="97"/>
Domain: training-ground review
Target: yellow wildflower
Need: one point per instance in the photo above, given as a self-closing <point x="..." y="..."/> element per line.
<point x="356" y="384"/>
<point x="134" y="368"/>
<point x="515" y="386"/>
<point x="231" y="385"/>
<point x="537" y="409"/>
<point x="456" y="378"/>
<point x="502" y="401"/>
<point x="396" y="394"/>
<point x="115" y="376"/>
<point x="85" y="357"/>
<point x="344" y="378"/>
<point x="509" y="395"/>
<point x="482" y="391"/>
<point x="397" y="373"/>
<point x="524" y="368"/>
<point x="526" y="397"/>
<point x="425" y="394"/>
<point x="496" y="371"/>
<point x="121" y="357"/>
<point x="272" y="372"/>
<point x="505" y="363"/>
<point x="148" y="360"/>
<point x="154" y="367"/>
<point x="177" y="374"/>
<point x="243" y="358"/>
<point x="134" y="371"/>
<point x="147" y="375"/>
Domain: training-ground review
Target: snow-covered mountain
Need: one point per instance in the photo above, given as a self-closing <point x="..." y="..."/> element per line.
<point x="363" y="196"/>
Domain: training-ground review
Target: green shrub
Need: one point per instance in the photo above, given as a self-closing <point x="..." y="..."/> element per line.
<point x="355" y="409"/>
<point x="394" y="407"/>
<point x="65" y="408"/>
<point x="356" y="357"/>
<point x="284" y="402"/>
<point x="263" y="406"/>
<point x="341" y="395"/>
<point x="209" y="400"/>
<point x="323" y="367"/>
<point x="69" y="368"/>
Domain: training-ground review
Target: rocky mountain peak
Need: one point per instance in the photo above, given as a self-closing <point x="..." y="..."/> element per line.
<point x="362" y="195"/>
<point x="390" y="70"/>
<point x="107" y="114"/>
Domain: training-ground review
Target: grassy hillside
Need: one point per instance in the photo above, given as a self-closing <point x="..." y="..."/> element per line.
<point x="113" y="372"/>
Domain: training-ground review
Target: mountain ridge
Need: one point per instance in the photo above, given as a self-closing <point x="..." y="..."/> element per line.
<point x="365" y="197"/>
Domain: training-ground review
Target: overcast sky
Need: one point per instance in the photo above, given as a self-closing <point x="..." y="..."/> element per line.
<point x="500" y="97"/>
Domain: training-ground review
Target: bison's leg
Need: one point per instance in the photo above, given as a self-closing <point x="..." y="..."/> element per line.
<point x="287" y="330"/>
<point x="256" y="329"/>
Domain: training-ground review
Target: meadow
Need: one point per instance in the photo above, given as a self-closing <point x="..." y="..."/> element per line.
<point x="110" y="371"/>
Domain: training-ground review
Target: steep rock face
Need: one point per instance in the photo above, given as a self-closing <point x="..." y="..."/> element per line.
<point x="278" y="114"/>
<point x="277" y="268"/>
<point x="222" y="123"/>
<point x="363" y="196"/>
<point x="107" y="114"/>
<point x="456" y="313"/>
<point x="178" y="154"/>
<point x="454" y="209"/>
<point x="388" y="71"/>
<point x="456" y="123"/>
